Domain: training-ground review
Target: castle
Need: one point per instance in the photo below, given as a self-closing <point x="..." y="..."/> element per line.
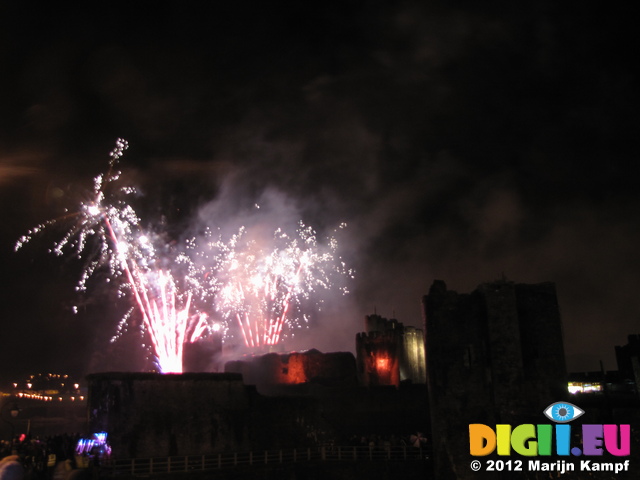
<point x="275" y="400"/>
<point x="494" y="355"/>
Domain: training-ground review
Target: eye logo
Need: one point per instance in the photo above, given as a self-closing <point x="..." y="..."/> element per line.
<point x="562" y="412"/>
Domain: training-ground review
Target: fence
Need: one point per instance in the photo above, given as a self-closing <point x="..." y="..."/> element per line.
<point x="195" y="463"/>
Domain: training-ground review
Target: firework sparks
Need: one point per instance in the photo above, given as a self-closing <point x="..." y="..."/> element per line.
<point x="255" y="285"/>
<point x="262" y="283"/>
<point x="131" y="254"/>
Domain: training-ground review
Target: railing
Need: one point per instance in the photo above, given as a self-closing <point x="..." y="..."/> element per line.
<point x="195" y="463"/>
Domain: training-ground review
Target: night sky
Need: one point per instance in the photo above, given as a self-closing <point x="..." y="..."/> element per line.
<point x="458" y="141"/>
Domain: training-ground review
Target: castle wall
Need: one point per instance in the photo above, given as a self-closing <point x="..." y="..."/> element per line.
<point x="156" y="415"/>
<point x="331" y="369"/>
<point x="412" y="361"/>
<point x="504" y="348"/>
<point x="542" y="340"/>
<point x="153" y="415"/>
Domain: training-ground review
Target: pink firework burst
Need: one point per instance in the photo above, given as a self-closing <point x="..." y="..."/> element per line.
<point x="131" y="254"/>
<point x="262" y="280"/>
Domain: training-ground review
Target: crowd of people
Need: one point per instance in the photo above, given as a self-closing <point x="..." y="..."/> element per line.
<point x="50" y="458"/>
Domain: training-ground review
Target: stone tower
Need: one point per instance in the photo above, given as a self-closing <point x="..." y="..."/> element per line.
<point x="389" y="353"/>
<point x="495" y="355"/>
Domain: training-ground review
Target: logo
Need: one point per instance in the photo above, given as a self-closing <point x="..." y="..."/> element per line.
<point x="563" y="412"/>
<point x="548" y="439"/>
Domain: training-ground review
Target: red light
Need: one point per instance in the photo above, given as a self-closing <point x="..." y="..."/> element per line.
<point x="382" y="363"/>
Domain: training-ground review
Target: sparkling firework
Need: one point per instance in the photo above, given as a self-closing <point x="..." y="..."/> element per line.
<point x="131" y="254"/>
<point x="255" y="285"/>
<point x="262" y="283"/>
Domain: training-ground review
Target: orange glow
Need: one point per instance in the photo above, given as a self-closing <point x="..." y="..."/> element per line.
<point x="293" y="370"/>
<point x="382" y="364"/>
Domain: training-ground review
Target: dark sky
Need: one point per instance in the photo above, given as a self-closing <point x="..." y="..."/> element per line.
<point x="459" y="141"/>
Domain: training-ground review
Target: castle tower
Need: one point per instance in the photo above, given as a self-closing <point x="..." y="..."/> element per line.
<point x="494" y="356"/>
<point x="389" y="353"/>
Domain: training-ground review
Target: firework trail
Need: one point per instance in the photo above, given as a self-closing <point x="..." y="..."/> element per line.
<point x="262" y="283"/>
<point x="130" y="253"/>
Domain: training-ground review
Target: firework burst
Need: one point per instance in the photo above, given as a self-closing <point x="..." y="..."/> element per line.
<point x="262" y="283"/>
<point x="255" y="285"/>
<point x="107" y="232"/>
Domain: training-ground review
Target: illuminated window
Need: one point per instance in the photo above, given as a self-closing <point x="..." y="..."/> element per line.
<point x="584" y="387"/>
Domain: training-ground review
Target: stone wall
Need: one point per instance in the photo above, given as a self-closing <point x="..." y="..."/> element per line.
<point x="159" y="415"/>
<point x="337" y="369"/>
<point x="154" y="415"/>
